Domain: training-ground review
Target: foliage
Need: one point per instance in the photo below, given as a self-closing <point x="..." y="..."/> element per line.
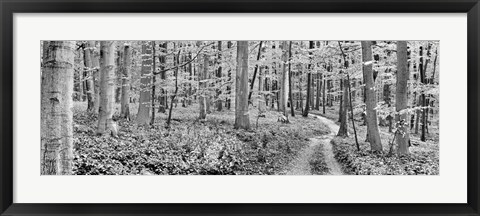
<point x="375" y="163"/>
<point x="190" y="147"/>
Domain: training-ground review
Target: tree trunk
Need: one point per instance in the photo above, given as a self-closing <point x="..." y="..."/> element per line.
<point x="323" y="95"/>
<point x="340" y="106"/>
<point x="229" y="86"/>
<point x="373" y="135"/>
<point x="154" y="82"/>
<point x="255" y="73"/>
<point x="401" y="99"/>
<point x="309" y="85"/>
<point x="219" y="76"/>
<point x="107" y="85"/>
<point x="56" y="108"/>
<point x="96" y="77"/>
<point x="242" y="119"/>
<point x="89" y="70"/>
<point x="292" y="111"/>
<point x="319" y="87"/>
<point x="343" y="130"/>
<point x="202" y="98"/>
<point x="163" y="76"/>
<point x="284" y="88"/>
<point x="145" y="82"/>
<point x="125" y="105"/>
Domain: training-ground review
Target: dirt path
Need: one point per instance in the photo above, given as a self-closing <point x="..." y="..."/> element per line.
<point x="301" y="166"/>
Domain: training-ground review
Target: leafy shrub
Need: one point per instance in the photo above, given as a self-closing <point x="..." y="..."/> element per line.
<point x="374" y="163"/>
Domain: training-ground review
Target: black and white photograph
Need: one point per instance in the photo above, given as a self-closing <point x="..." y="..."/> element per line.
<point x="310" y="107"/>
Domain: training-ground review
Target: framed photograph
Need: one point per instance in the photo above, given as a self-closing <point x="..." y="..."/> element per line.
<point x="271" y="107"/>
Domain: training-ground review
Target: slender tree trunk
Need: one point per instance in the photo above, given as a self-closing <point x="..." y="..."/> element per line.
<point x="56" y="119"/>
<point x="284" y="89"/>
<point x="88" y="59"/>
<point x="176" y="62"/>
<point x="242" y="119"/>
<point x="154" y="82"/>
<point x="401" y="99"/>
<point x="107" y="85"/>
<point x="300" y="91"/>
<point x="373" y="135"/>
<point x="309" y="85"/>
<point x="219" y="76"/>
<point x="340" y="106"/>
<point x="145" y="82"/>
<point x="319" y="87"/>
<point x="261" y="97"/>
<point x="125" y="105"/>
<point x="343" y="130"/>
<point x="163" y="76"/>
<point x="292" y="111"/>
<point x="229" y="86"/>
<point x="323" y="95"/>
<point x="202" y="98"/>
<point x="255" y="73"/>
<point x="96" y="77"/>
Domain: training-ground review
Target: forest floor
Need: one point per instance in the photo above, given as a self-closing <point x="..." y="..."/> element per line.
<point x="422" y="160"/>
<point x="193" y="147"/>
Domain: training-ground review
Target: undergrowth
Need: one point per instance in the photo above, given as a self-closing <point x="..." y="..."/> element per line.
<point x="190" y="146"/>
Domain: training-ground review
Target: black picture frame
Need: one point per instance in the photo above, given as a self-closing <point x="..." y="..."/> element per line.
<point x="9" y="7"/>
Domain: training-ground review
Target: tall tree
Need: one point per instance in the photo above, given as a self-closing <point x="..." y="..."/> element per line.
<point x="145" y="82"/>
<point x="89" y="69"/>
<point x="96" y="76"/>
<point x="228" y="101"/>
<point x="373" y="136"/>
<point x="163" y="76"/>
<point x="202" y="98"/>
<point x="219" y="75"/>
<point x="56" y="108"/>
<point x="125" y="107"/>
<point x="309" y="84"/>
<point x="242" y="119"/>
<point x="292" y="111"/>
<point x="284" y="88"/>
<point x="107" y="84"/>
<point x="401" y="99"/>
<point x="255" y="73"/>
<point x="154" y="83"/>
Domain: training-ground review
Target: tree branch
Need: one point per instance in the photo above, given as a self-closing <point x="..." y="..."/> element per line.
<point x="178" y="66"/>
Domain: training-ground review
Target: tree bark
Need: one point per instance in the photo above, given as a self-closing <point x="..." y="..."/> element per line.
<point x="219" y="76"/>
<point x="125" y="105"/>
<point x="154" y="82"/>
<point x="401" y="99"/>
<point x="88" y="59"/>
<point x="163" y="76"/>
<point x="309" y="85"/>
<point x="96" y="78"/>
<point x="255" y="73"/>
<point x="343" y="130"/>
<point x="56" y="119"/>
<point x="202" y="98"/>
<point x="242" y="119"/>
<point x="284" y="88"/>
<point x="292" y="111"/>
<point x="107" y="84"/>
<point x="229" y="87"/>
<point x="373" y="135"/>
<point x="145" y="82"/>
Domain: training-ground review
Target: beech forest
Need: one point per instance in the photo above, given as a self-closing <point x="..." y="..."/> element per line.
<point x="239" y="107"/>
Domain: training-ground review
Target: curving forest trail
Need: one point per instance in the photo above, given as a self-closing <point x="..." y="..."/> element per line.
<point x="301" y="166"/>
